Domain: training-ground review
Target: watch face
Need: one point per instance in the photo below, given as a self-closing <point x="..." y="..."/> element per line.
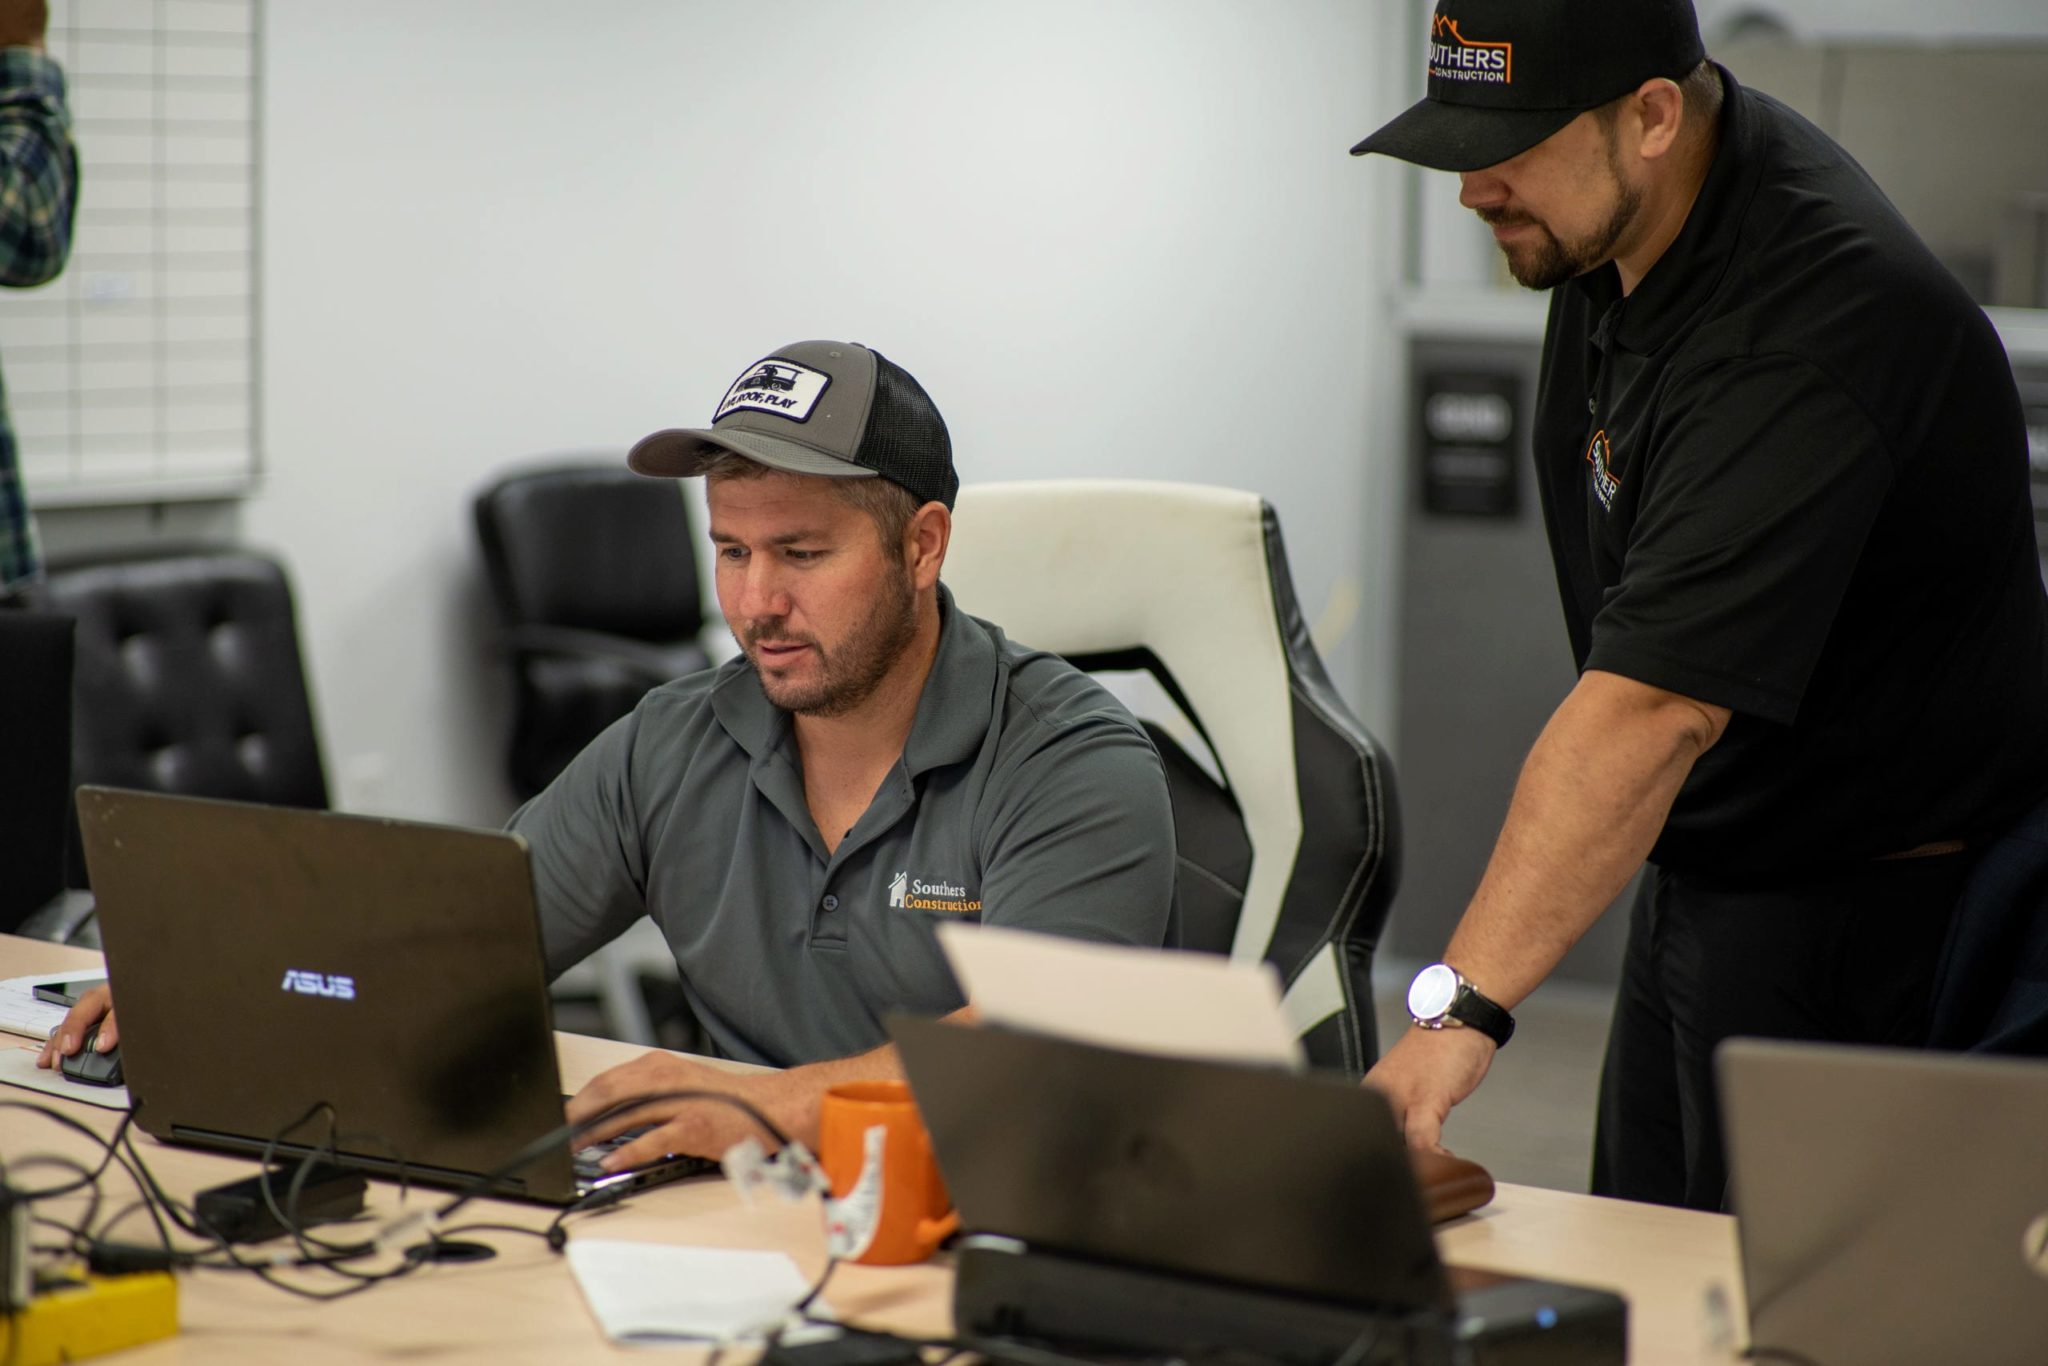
<point x="1432" y="991"/>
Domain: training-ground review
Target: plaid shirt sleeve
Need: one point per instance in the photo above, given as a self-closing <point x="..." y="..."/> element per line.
<point x="38" y="196"/>
<point x="38" y="168"/>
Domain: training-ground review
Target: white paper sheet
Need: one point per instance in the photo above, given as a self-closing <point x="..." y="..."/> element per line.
<point x="20" y="1011"/>
<point x="18" y="1068"/>
<point x="649" y="1292"/>
<point x="1184" y="1005"/>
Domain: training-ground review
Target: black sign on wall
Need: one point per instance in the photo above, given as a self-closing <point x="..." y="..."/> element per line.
<point x="1468" y="422"/>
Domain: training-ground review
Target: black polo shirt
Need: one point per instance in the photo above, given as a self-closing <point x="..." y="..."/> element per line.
<point x="1788" y="475"/>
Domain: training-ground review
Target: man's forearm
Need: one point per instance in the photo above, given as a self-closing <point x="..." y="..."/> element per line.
<point x="1589" y="804"/>
<point x="799" y="1091"/>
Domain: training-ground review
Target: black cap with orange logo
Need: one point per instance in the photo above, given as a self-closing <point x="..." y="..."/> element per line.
<point x="1506" y="74"/>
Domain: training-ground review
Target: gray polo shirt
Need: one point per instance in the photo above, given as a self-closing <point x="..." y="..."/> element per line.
<point x="1026" y="796"/>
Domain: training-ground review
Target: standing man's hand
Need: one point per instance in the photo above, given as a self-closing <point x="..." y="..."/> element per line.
<point x="1425" y="1073"/>
<point x="23" y="22"/>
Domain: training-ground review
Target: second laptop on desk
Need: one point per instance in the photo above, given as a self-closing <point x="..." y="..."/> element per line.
<point x="379" y="982"/>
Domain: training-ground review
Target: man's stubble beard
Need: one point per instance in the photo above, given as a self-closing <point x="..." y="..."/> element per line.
<point x="1547" y="262"/>
<point x="849" y="675"/>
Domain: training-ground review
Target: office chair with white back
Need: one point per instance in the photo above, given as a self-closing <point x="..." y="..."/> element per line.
<point x="1292" y="857"/>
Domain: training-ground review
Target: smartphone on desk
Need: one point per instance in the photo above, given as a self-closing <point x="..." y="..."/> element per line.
<point x="67" y="993"/>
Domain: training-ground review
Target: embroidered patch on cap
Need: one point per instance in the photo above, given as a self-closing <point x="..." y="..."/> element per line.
<point x="776" y="386"/>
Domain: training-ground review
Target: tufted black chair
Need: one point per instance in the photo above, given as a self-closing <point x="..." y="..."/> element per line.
<point x="594" y="570"/>
<point x="188" y="677"/>
<point x="35" y="761"/>
<point x="1293" y="857"/>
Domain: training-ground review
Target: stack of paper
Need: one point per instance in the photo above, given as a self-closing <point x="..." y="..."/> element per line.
<point x="1184" y="1005"/>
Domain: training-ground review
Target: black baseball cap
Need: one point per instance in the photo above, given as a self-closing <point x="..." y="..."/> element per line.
<point x="1506" y="74"/>
<point x="836" y="409"/>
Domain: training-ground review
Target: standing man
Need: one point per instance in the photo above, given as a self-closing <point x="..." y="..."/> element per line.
<point x="1783" y="469"/>
<point x="38" y="186"/>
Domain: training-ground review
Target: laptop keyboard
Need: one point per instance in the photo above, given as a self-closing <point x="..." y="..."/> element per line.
<point x="591" y="1175"/>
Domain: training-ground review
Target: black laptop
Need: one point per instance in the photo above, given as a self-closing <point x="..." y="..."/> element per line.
<point x="383" y="977"/>
<point x="1123" y="1202"/>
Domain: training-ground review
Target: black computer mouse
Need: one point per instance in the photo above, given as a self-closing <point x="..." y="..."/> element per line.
<point x="92" y="1067"/>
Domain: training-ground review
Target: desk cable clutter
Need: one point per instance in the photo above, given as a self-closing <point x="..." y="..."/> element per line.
<point x="94" y="1293"/>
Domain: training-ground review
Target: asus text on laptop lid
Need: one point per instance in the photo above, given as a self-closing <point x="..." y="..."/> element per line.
<point x="268" y="960"/>
<point x="1892" y="1205"/>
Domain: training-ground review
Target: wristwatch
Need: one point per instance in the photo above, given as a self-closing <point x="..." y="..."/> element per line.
<point x="1440" y="998"/>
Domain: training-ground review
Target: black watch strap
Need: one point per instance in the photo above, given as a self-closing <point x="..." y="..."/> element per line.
<point x="1473" y="1010"/>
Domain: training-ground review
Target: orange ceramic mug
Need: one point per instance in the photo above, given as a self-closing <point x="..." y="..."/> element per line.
<point x="889" y="1203"/>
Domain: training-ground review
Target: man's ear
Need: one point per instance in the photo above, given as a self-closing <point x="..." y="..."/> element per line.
<point x="924" y="544"/>
<point x="1659" y="112"/>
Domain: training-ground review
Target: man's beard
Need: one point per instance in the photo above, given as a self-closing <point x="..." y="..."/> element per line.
<point x="848" y="675"/>
<point x="1545" y="262"/>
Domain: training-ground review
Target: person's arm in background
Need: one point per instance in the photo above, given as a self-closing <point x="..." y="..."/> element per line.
<point x="38" y="196"/>
<point x="1590" y="802"/>
<point x="38" y="166"/>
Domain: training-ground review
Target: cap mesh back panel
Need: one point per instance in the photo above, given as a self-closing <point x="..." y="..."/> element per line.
<point x="906" y="439"/>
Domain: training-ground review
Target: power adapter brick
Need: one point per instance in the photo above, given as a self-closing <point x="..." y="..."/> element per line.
<point x="239" y="1213"/>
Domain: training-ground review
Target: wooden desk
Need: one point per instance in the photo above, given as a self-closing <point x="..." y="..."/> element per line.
<point x="524" y="1306"/>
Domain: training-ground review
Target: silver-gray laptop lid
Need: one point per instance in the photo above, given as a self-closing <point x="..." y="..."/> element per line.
<point x="270" y="962"/>
<point x="1892" y="1205"/>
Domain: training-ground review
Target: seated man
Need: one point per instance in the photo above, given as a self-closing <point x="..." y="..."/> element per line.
<point x="875" y="760"/>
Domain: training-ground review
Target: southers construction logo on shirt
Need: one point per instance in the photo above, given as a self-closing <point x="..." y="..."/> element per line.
<point x="1600" y="456"/>
<point x="1454" y="57"/>
<point x="915" y="894"/>
<point x="777" y="386"/>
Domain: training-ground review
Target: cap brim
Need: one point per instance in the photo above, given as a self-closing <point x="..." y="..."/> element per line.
<point x="682" y="452"/>
<point x="1463" y="137"/>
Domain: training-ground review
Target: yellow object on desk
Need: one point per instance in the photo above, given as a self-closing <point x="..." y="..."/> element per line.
<point x="87" y="1317"/>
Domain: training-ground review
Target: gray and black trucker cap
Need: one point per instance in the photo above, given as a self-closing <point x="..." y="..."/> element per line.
<point x="1506" y="74"/>
<point x="828" y="408"/>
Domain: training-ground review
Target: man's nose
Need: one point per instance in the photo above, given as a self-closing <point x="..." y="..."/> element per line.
<point x="762" y="590"/>
<point x="1481" y="190"/>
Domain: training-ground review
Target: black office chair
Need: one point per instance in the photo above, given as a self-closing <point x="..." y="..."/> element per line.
<point x="594" y="571"/>
<point x="35" y="761"/>
<point x="188" y="677"/>
<point x="1292" y="857"/>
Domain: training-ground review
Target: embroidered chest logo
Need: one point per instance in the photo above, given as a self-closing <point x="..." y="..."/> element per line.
<point x="916" y="894"/>
<point x="776" y="386"/>
<point x="1454" y="57"/>
<point x="1600" y="455"/>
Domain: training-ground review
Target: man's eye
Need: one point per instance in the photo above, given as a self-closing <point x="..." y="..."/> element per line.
<point x="731" y="552"/>
<point x="801" y="556"/>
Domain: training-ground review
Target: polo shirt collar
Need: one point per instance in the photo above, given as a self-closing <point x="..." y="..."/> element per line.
<point x="1689" y="272"/>
<point x="959" y="694"/>
<point x="952" y="713"/>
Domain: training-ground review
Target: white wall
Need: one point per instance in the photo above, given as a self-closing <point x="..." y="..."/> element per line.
<point x="1114" y="237"/>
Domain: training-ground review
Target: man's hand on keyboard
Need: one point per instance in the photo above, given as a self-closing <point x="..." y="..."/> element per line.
<point x="695" y="1128"/>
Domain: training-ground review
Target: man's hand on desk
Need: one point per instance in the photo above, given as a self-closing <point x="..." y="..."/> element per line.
<point x="694" y="1128"/>
<point x="1425" y="1073"/>
<point x="66" y="1038"/>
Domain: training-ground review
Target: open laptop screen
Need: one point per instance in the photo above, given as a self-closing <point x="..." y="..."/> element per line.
<point x="1258" y="1178"/>
<point x="382" y="976"/>
<point x="1892" y="1205"/>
